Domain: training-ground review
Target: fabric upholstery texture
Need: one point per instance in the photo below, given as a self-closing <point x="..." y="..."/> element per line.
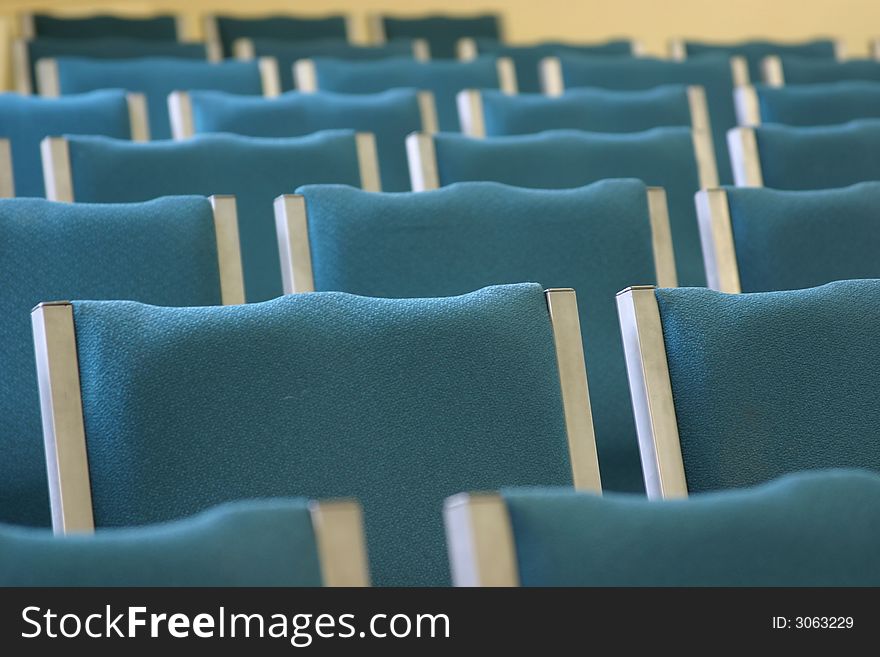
<point x="444" y="78"/>
<point x="390" y="116"/>
<point x="296" y="29"/>
<point x="712" y="72"/>
<point x="527" y="59"/>
<point x="398" y="403"/>
<point x="156" y="77"/>
<point x="247" y="543"/>
<point x="287" y="52"/>
<point x="800" y="70"/>
<point x="773" y="382"/>
<point x="595" y="239"/>
<point x="561" y="159"/>
<point x="819" y="157"/>
<point x="26" y="120"/>
<point x="55" y="251"/>
<point x="827" y="103"/>
<point x="254" y="170"/>
<point x="786" y="240"/>
<point x="596" y="110"/>
<point x="442" y="32"/>
<point x="755" y="51"/>
<point x="808" y="529"/>
<point x="157" y="28"/>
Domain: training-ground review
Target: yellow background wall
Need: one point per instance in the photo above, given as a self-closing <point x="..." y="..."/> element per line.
<point x="651" y="21"/>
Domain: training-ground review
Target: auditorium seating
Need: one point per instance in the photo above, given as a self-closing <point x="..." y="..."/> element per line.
<point x="155" y="78"/>
<point x="494" y="113"/>
<point x="389" y="115"/>
<point x="809" y="529"/>
<point x="717" y="74"/>
<point x="281" y="542"/>
<point x="733" y="390"/>
<point x="99" y="26"/>
<point x="780" y="70"/>
<point x="225" y="30"/>
<point x="820" y="157"/>
<point x="398" y="403"/>
<point x="254" y="170"/>
<point x="808" y="104"/>
<point x="443" y="78"/>
<point x="176" y="252"/>
<point x="677" y="159"/>
<point x="25" y="121"/>
<point x="759" y="240"/>
<point x="442" y="32"/>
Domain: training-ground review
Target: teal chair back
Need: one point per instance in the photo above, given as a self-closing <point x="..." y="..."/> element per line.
<point x="59" y="251"/>
<point x="802" y="70"/>
<point x="296" y="29"/>
<point x="755" y="51"/>
<point x="828" y="103"/>
<point x="441" y="32"/>
<point x="99" y="26"/>
<point x="26" y="120"/>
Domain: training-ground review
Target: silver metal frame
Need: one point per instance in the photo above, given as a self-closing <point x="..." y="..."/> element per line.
<point x="422" y="160"/>
<point x="181" y="115"/>
<point x="211" y="33"/>
<point x="466" y="49"/>
<point x="875" y="48"/>
<point x="638" y="48"/>
<point x="137" y="116"/>
<point x="739" y="69"/>
<point x="7" y="174"/>
<point x="661" y="238"/>
<point x="243" y="48"/>
<point x="57" y="176"/>
<point x="428" y="111"/>
<point x="368" y="162"/>
<point x="339" y="537"/>
<point x="421" y="50"/>
<point x="376" y="29"/>
<point x="294" y="247"/>
<point x="26" y="26"/>
<point x="506" y="75"/>
<point x="716" y="240"/>
<point x="704" y="152"/>
<point x="305" y="75"/>
<point x="480" y="541"/>
<point x="651" y="393"/>
<point x="677" y="49"/>
<point x="48" y="83"/>
<point x="744" y="157"/>
<point x="228" y="250"/>
<point x="470" y="112"/>
<point x="269" y="76"/>
<point x="552" y="82"/>
<point x="21" y="67"/>
<point x="748" y="109"/>
<point x="840" y="53"/>
<point x="771" y="69"/>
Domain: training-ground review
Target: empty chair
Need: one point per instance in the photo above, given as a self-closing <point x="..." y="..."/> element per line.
<point x="808" y="104"/>
<point x="442" y="32"/>
<point x="26" y="120"/>
<point x="287" y="53"/>
<point x="225" y="30"/>
<point x="155" y="78"/>
<point x="177" y="251"/>
<point x="754" y="51"/>
<point x="99" y="26"/>
<point x="282" y="542"/>
<point x="677" y="159"/>
<point x="717" y="74"/>
<point x="780" y="70"/>
<point x="255" y="170"/>
<point x="759" y="240"/>
<point x="820" y="157"/>
<point x="443" y="78"/>
<point x="26" y="53"/>
<point x="809" y="529"/>
<point x="528" y="58"/>
<point x="390" y="116"/>
<point x="732" y="390"/>
<point x="469" y="235"/>
<point x="494" y="113"/>
<point x="343" y="395"/>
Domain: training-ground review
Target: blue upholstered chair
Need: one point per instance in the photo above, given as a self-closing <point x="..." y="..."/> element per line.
<point x="820" y="157"/>
<point x="495" y="114"/>
<point x="755" y="51"/>
<point x="469" y="235"/>
<point x="676" y="159"/>
<point x="717" y="74"/>
<point x="254" y="170"/>
<point x="808" y="104"/>
<point x="780" y="70"/>
<point x="808" y="529"/>
<point x="732" y="390"/>
<point x="99" y="26"/>
<point x="225" y="30"/>
<point x="527" y="59"/>
<point x="395" y="402"/>
<point x="167" y="252"/>
<point x="441" y="32"/>
<point x="25" y="121"/>
<point x="390" y="116"/>
<point x="26" y="53"/>
<point x="444" y="78"/>
<point x="281" y="542"/>
<point x="155" y="78"/>
<point x="287" y="53"/>
<point x="759" y="240"/>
